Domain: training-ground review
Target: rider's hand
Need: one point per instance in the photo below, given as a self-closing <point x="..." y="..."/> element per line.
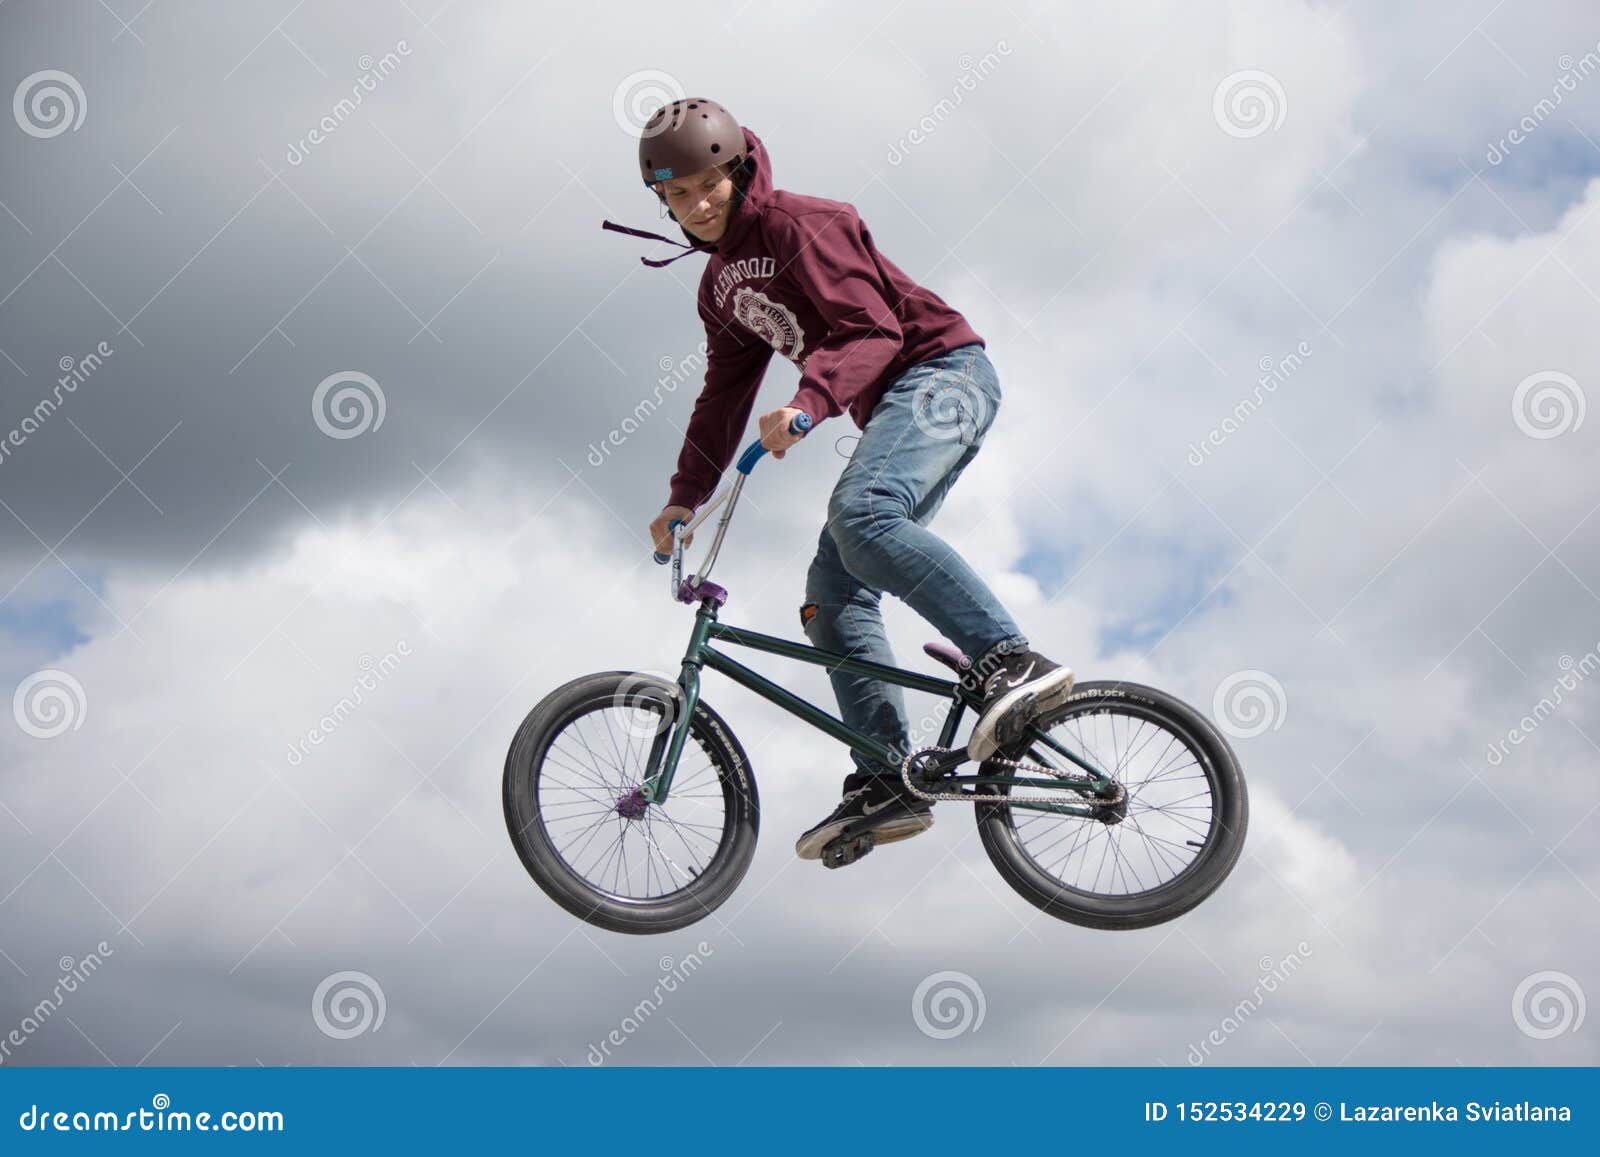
<point x="660" y="532"/>
<point x="775" y="434"/>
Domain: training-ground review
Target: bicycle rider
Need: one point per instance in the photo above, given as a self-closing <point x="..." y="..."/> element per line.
<point x="801" y="276"/>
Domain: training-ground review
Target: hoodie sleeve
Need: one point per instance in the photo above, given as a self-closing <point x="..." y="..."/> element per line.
<point x="828" y="254"/>
<point x="735" y="363"/>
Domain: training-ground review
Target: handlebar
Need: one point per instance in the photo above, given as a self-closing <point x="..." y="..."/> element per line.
<point x="800" y="424"/>
<point x="671" y="528"/>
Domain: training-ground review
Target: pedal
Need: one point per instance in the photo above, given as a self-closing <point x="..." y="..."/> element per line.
<point x="1014" y="723"/>
<point x="847" y="850"/>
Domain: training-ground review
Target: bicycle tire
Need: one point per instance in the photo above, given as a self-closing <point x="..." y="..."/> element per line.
<point x="1224" y="837"/>
<point x="529" y="760"/>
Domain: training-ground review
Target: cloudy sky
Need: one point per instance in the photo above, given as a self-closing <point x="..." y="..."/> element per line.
<point x="1138" y="206"/>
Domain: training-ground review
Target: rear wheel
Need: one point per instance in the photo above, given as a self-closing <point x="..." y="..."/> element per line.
<point x="577" y="817"/>
<point x="1182" y="832"/>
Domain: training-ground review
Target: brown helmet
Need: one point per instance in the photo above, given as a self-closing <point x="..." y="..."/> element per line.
<point x="688" y="136"/>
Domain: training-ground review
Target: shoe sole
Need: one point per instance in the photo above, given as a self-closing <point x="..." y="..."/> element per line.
<point x="898" y="830"/>
<point x="810" y="845"/>
<point x="1049" y="691"/>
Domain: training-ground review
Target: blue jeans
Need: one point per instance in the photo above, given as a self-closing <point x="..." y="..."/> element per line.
<point x="926" y="428"/>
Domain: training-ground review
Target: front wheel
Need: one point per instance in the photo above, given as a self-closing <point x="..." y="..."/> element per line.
<point x="580" y="823"/>
<point x="1182" y="831"/>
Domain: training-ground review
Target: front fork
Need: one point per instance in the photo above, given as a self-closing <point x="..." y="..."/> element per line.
<point x="667" y="748"/>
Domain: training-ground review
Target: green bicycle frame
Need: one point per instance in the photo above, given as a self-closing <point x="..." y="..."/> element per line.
<point x="669" y="742"/>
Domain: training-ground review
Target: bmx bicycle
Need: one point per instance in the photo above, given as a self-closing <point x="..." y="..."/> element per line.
<point x="632" y="804"/>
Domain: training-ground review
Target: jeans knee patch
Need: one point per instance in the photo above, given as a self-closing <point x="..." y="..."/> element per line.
<point x="808" y="611"/>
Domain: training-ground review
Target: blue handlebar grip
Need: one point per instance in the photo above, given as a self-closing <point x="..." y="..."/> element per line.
<point x="799" y="424"/>
<point x="665" y="558"/>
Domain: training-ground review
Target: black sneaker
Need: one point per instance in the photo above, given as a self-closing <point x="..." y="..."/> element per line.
<point x="1023" y="684"/>
<point x="881" y="805"/>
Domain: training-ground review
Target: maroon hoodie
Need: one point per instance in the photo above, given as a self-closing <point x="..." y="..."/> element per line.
<point x="800" y="276"/>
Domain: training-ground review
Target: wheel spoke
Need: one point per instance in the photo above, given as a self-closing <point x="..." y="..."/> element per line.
<point x="581" y="784"/>
<point x="1165" y="807"/>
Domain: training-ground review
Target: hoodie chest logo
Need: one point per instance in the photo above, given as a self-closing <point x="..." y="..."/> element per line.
<point x="745" y="269"/>
<point x="771" y="321"/>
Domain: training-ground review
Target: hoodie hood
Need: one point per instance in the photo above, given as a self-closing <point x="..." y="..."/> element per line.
<point x="747" y="206"/>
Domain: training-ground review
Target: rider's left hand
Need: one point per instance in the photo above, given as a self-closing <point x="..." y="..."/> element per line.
<point x="775" y="434"/>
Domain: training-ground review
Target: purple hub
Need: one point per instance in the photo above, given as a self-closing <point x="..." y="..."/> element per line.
<point x="633" y="805"/>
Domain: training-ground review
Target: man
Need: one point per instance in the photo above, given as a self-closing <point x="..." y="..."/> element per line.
<point x="801" y="276"/>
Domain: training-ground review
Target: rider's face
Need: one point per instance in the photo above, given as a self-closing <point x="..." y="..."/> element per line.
<point x="701" y="202"/>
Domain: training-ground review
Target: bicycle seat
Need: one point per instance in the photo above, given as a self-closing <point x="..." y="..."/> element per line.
<point x="950" y="656"/>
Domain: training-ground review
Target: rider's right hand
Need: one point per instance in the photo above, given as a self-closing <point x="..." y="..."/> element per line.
<point x="660" y="532"/>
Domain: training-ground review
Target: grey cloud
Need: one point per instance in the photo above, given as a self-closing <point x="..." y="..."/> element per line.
<point x="1376" y="535"/>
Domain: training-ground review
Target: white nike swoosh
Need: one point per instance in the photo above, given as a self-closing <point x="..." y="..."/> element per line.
<point x="1022" y="678"/>
<point x="872" y="809"/>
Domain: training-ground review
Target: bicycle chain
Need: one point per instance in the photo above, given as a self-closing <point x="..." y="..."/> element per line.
<point x="1016" y="764"/>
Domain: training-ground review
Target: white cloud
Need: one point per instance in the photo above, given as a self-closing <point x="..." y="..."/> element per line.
<point x="1374" y="535"/>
